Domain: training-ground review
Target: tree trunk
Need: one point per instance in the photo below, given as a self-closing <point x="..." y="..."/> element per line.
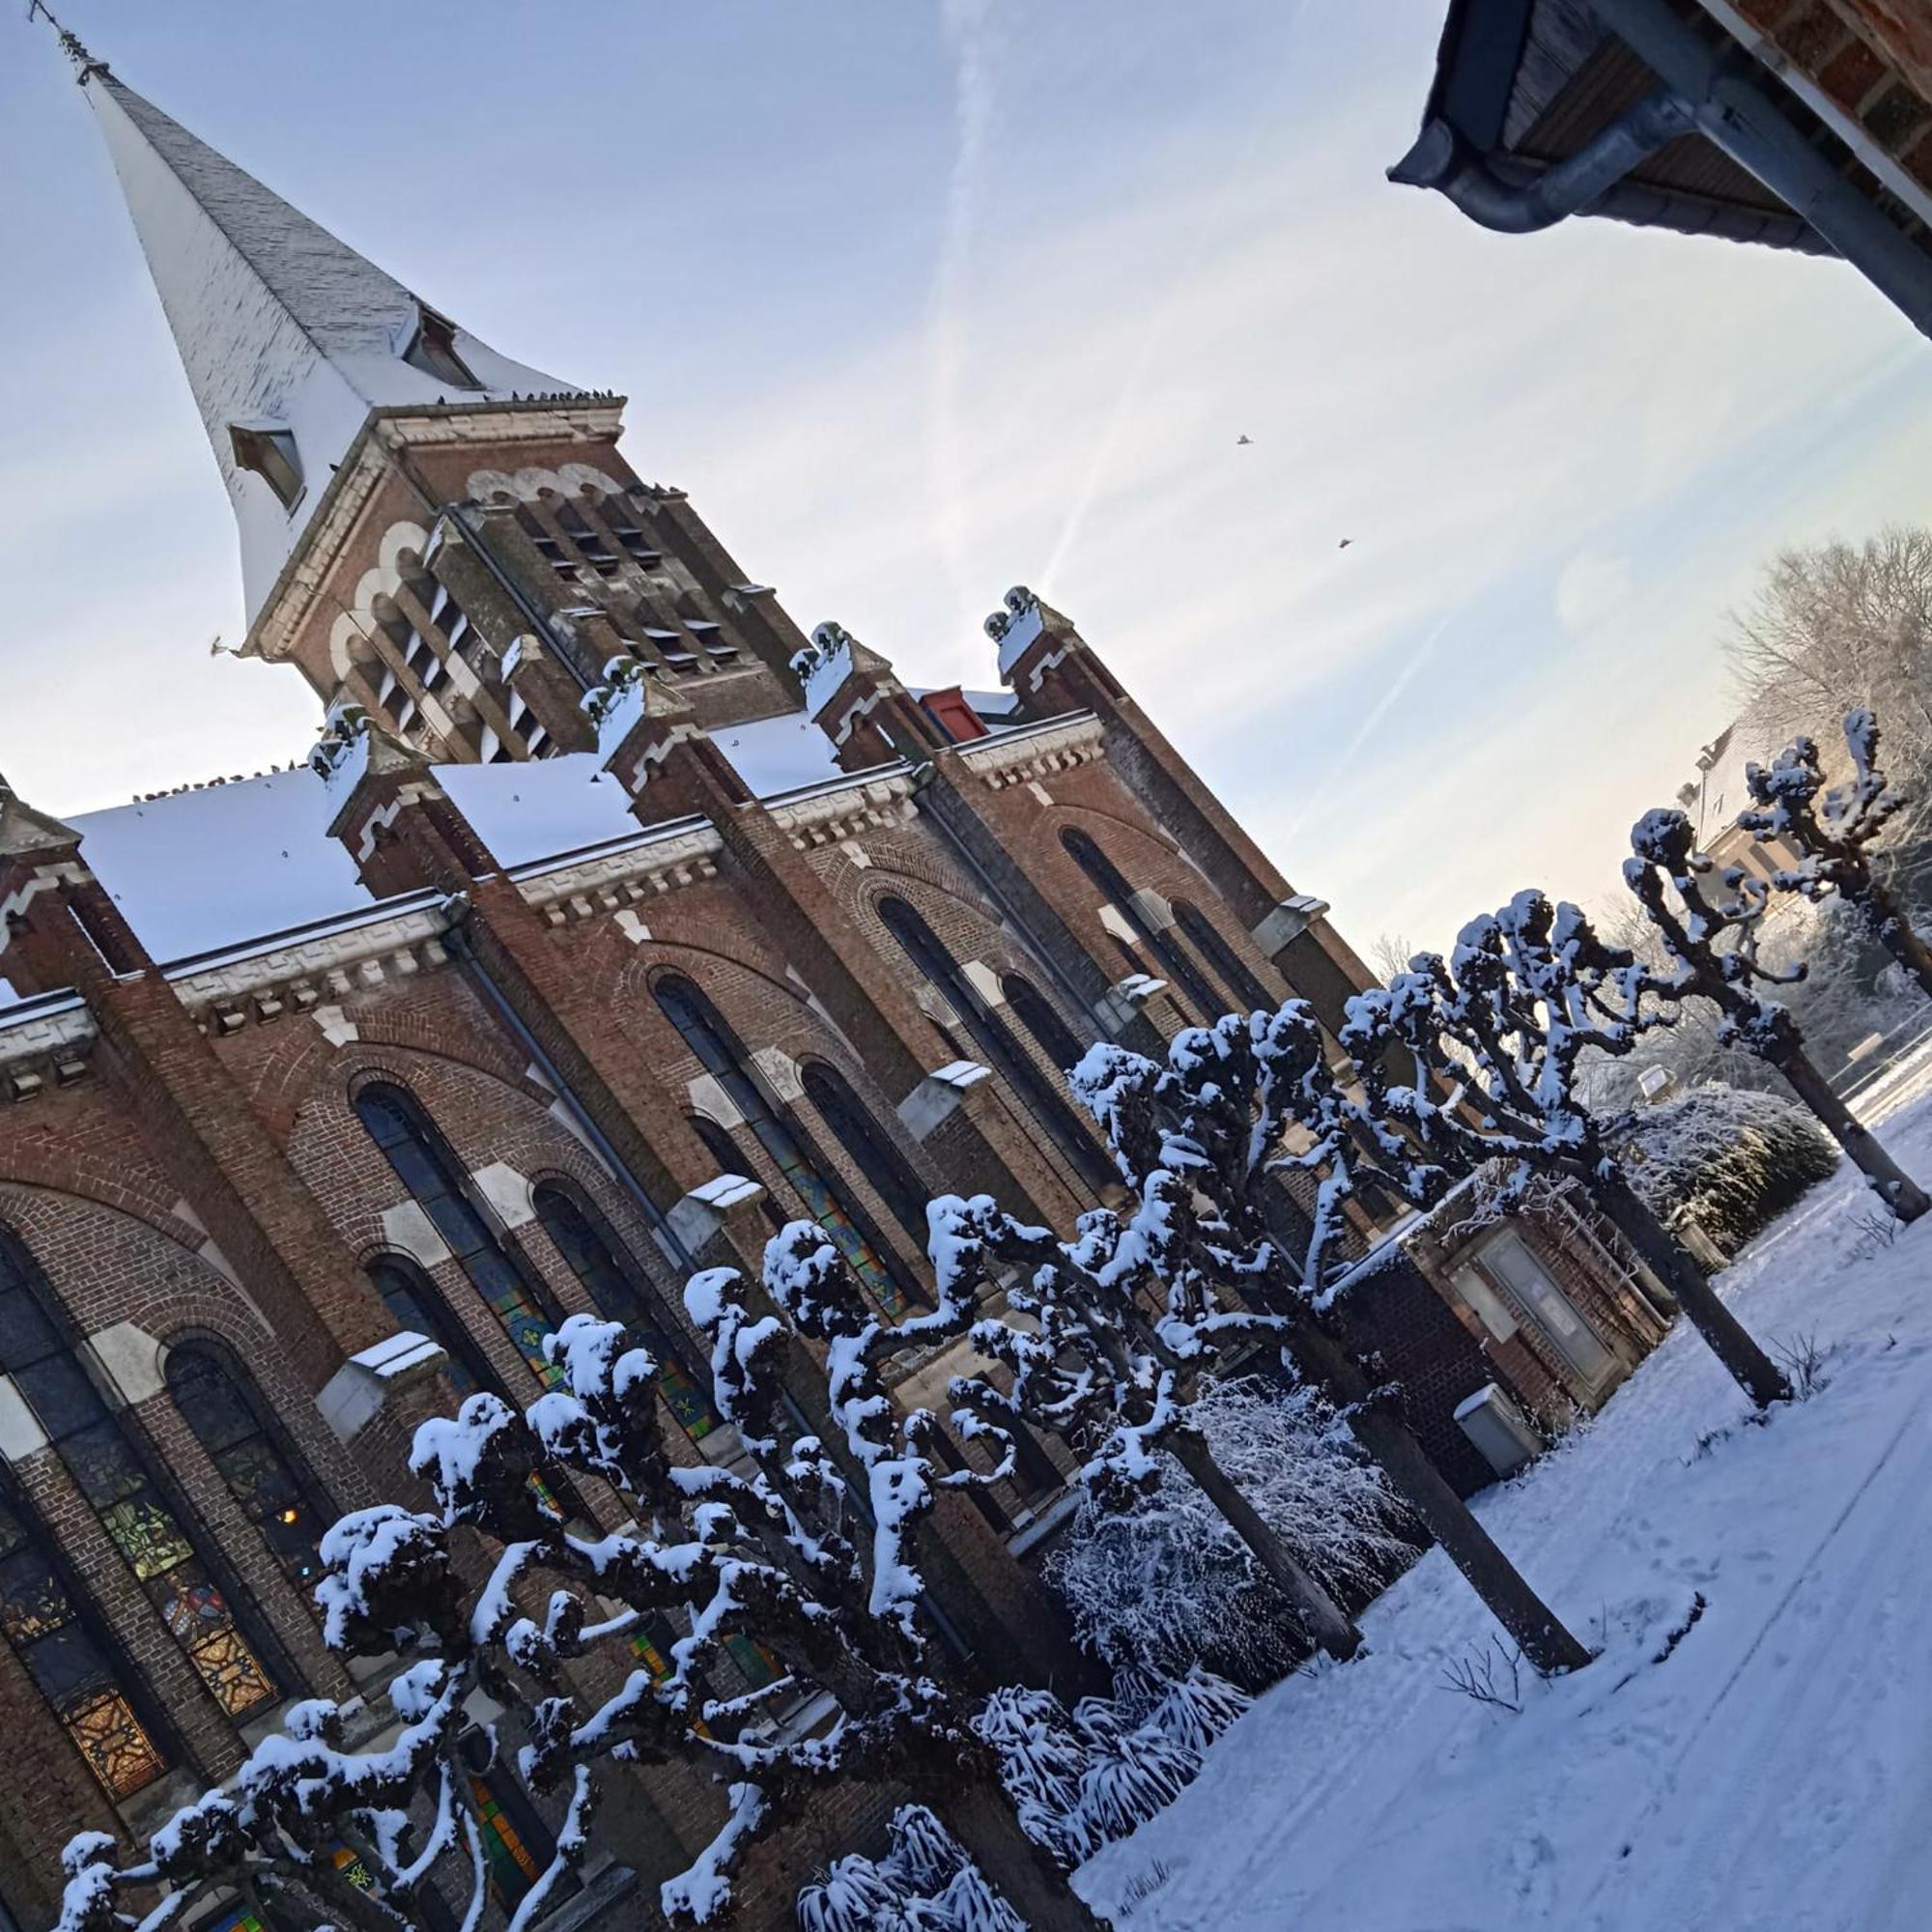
<point x="1729" y="1340"/>
<point x="1532" y="1625"/>
<point x="1323" y="1619"/>
<point x="1889" y="1181"/>
<point x="981" y="1816"/>
<point x="1892" y="930"/>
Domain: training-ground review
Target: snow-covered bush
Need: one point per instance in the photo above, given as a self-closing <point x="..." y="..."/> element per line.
<point x="1168" y="1582"/>
<point x="1079" y="1780"/>
<point x="924" y="1884"/>
<point x="1733" y="1160"/>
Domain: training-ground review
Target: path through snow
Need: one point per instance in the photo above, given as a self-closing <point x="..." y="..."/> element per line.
<point x="1774" y="1772"/>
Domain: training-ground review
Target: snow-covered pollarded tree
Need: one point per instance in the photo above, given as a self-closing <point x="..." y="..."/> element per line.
<point x="1834" y="835"/>
<point x="1167" y="1582"/>
<point x="1196" y="1246"/>
<point x="1086" y="1360"/>
<point x="1476" y="1060"/>
<point x="1668" y="876"/>
<point x="762" y="1552"/>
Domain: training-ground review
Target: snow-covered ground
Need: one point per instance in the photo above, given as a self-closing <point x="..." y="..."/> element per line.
<point x="1775" y="1771"/>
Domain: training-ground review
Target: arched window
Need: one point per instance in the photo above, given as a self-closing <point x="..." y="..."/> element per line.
<point x="264" y="1471"/>
<point x="1113" y="887"/>
<point x="413" y="1299"/>
<point x="54" y="1629"/>
<point x="152" y="1531"/>
<point x="1049" y="1032"/>
<point x="1229" y="966"/>
<point x="423" y="1162"/>
<point x="826" y="1199"/>
<point x="870" y="1146"/>
<point x="614" y="1283"/>
<point x="1002" y="1051"/>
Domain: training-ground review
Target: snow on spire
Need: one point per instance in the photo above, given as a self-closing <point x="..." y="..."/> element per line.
<point x="288" y="336"/>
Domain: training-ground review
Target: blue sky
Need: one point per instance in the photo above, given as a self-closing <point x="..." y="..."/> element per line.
<point x="918" y="301"/>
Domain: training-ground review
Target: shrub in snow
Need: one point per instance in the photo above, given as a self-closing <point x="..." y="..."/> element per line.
<point x="760" y="1550"/>
<point x="1167" y="1581"/>
<point x="1083" y="1777"/>
<point x="1730" y="1159"/>
<point x="1696" y="910"/>
<point x="924" y="1884"/>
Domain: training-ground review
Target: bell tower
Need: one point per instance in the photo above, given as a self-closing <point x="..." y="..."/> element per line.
<point x="430" y="529"/>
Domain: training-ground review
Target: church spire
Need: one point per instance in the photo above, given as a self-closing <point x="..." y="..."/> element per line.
<point x="288" y="336"/>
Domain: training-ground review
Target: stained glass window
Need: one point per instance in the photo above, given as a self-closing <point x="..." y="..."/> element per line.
<point x="264" y="1471"/>
<point x="995" y="1041"/>
<point x="620" y="1295"/>
<point x="145" y="1524"/>
<point x="514" y="1867"/>
<point x="427" y="1168"/>
<point x="49" y="1627"/>
<point x="827" y="1203"/>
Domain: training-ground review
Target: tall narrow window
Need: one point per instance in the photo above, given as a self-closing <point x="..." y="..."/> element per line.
<point x="265" y="1473"/>
<point x="417" y="1305"/>
<point x="1172" y="955"/>
<point x="143" y="1521"/>
<point x="427" y="1168"/>
<point x="870" y="1146"/>
<point x="52" y="1629"/>
<point x="412" y="1298"/>
<point x="1002" y="1051"/>
<point x="1229" y="968"/>
<point x="592" y="1251"/>
<point x="1037" y="1013"/>
<point x="826" y="1199"/>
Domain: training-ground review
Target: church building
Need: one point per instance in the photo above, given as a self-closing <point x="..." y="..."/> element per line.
<point x="614" y="922"/>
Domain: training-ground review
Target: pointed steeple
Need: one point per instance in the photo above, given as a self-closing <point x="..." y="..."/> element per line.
<point x="289" y="337"/>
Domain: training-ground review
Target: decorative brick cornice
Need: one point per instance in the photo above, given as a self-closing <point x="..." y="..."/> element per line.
<point x="833" y="813"/>
<point x="306" y="974"/>
<point x="45" y="1042"/>
<point x="1032" y="751"/>
<point x="681" y="853"/>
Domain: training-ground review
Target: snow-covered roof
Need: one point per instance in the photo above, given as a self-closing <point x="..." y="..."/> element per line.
<point x="201" y="870"/>
<point x="776" y="755"/>
<point x="205" y="870"/>
<point x="279" y="324"/>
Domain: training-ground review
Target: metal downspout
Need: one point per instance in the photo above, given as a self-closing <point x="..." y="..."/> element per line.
<point x="1443" y="160"/>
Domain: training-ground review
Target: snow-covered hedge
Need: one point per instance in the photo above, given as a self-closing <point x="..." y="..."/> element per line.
<point x="1168" y="1583"/>
<point x="1733" y="1159"/>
